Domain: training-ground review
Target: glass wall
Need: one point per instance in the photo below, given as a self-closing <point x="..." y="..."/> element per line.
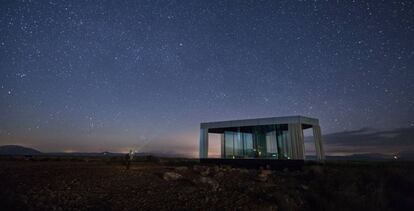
<point x="268" y="141"/>
<point x="271" y="143"/>
<point x="283" y="145"/>
<point x="249" y="150"/>
<point x="228" y="144"/>
<point x="238" y="145"/>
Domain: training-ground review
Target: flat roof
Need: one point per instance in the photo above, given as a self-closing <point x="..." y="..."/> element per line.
<point x="260" y="121"/>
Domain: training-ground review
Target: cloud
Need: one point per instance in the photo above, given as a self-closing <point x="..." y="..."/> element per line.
<point x="181" y="144"/>
<point x="367" y="140"/>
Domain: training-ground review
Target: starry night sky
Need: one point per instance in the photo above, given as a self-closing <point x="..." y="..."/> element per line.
<point x="116" y="75"/>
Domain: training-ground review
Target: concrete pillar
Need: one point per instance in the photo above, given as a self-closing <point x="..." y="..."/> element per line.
<point x="320" y="154"/>
<point x="203" y="143"/>
<point x="296" y="140"/>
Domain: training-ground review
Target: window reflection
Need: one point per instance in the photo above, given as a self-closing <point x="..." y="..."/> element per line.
<point x="268" y="141"/>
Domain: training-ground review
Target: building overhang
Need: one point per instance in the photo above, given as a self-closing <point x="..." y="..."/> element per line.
<point x="217" y="127"/>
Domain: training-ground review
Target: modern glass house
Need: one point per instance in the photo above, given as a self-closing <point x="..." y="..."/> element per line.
<point x="265" y="138"/>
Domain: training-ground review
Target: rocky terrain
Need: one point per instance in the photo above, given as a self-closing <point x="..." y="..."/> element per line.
<point x="106" y="184"/>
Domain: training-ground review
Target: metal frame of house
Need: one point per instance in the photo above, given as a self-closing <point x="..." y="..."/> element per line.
<point x="279" y="138"/>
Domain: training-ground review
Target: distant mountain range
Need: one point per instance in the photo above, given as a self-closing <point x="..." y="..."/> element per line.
<point x="20" y="150"/>
<point x="17" y="150"/>
<point x="405" y="156"/>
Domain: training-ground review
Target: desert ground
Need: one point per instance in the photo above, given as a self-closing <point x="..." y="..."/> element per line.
<point x="184" y="184"/>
